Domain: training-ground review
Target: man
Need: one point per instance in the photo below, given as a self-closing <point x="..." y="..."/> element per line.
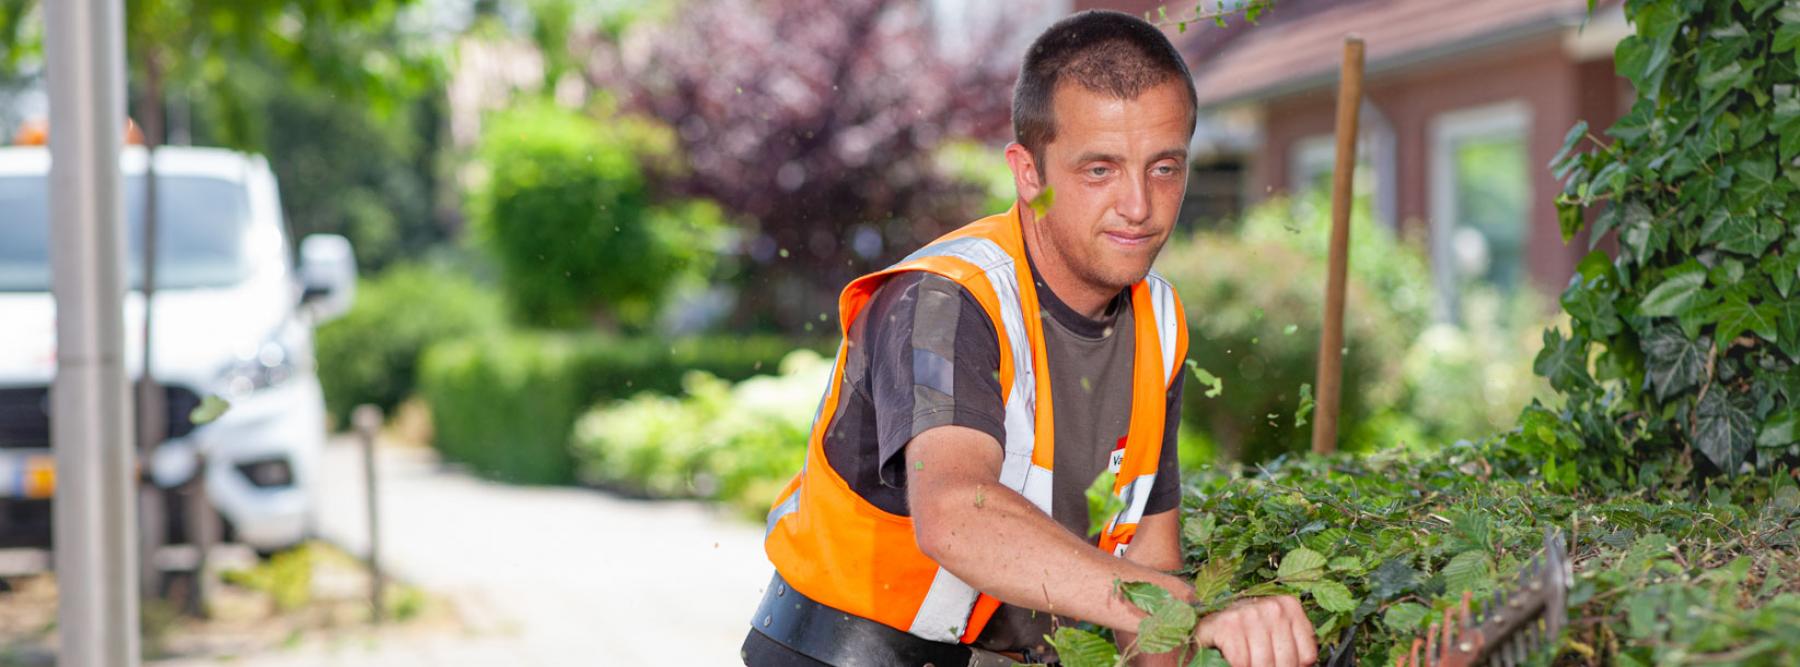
<point x="986" y="381"/>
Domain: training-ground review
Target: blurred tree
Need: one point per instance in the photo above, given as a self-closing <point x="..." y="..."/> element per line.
<point x="819" y="129"/>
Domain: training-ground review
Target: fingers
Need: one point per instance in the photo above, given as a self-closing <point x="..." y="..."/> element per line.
<point x="1306" y="643"/>
<point x="1274" y="629"/>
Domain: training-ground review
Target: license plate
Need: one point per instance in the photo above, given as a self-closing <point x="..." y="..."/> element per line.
<point x="30" y="476"/>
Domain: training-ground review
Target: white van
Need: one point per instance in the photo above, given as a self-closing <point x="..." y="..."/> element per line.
<point x="233" y="318"/>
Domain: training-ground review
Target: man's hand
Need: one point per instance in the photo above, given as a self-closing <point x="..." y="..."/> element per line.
<point x="1260" y="632"/>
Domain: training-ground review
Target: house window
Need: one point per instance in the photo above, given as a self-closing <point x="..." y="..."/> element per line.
<point x="1480" y="201"/>
<point x="1311" y="160"/>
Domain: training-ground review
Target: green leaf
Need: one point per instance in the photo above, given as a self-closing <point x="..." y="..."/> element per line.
<point x="1209" y="657"/>
<point x="1736" y="316"/>
<point x="209" y="410"/>
<point x="1332" y="596"/>
<point x="1393" y="578"/>
<point x="1144" y="595"/>
<point x="1570" y="140"/>
<point x="1724" y="430"/>
<point x="1080" y="648"/>
<point x="1675" y="362"/>
<point x="1787" y="326"/>
<point x="1781" y="430"/>
<point x="1676" y="295"/>
<point x="1741" y="234"/>
<point x="1103" y="504"/>
<point x="1199" y="529"/>
<point x="1213" y="579"/>
<point x="1592" y="308"/>
<point x="1043" y="201"/>
<point x="1787" y="38"/>
<point x="1306" y="405"/>
<point x="1301" y="564"/>
<point x="1217" y="385"/>
<point x="1167" y="628"/>
<point x="1405" y="618"/>
<point x="1468" y="571"/>
<point x="1563" y="362"/>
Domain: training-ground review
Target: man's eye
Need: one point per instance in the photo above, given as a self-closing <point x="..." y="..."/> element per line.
<point x="1164" y="170"/>
<point x="1099" y="172"/>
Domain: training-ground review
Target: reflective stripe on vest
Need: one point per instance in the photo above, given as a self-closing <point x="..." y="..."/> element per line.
<point x="844" y="552"/>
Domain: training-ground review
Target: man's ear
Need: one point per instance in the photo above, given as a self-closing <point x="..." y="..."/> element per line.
<point x="1025" y="172"/>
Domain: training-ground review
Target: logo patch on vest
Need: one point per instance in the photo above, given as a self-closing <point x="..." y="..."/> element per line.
<point x="1117" y="459"/>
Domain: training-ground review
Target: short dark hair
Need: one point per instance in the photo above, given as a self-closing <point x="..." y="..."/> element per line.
<point x="1103" y="51"/>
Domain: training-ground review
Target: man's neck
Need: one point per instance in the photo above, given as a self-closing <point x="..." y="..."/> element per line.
<point x="1084" y="298"/>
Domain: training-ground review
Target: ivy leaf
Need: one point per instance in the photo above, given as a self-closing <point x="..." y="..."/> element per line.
<point x="1736" y="316"/>
<point x="1787" y="326"/>
<point x="1676" y="362"/>
<point x="1563" y="362"/>
<point x="1724" y="430"/>
<point x="1468" y="571"/>
<point x="1167" y="628"/>
<point x="1301" y="564"/>
<point x="1781" y="430"/>
<point x="1570" y="140"/>
<point x="1741" y="234"/>
<point x="1592" y="309"/>
<point x="1103" y="504"/>
<point x="1676" y="295"/>
<point x="1080" y="648"/>
<point x="1217" y="386"/>
<point x="1783" y="269"/>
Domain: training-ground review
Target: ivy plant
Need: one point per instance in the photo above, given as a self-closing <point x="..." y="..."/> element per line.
<point x="1688" y="334"/>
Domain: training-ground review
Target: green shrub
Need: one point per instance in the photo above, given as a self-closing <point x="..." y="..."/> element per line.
<point x="1690" y="337"/>
<point x="567" y="211"/>
<point x="505" y="404"/>
<point x="1669" y="573"/>
<point x="371" y="354"/>
<point x="1254" y="300"/>
<point x="735" y="443"/>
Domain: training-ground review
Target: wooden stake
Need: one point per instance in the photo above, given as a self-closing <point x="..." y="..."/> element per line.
<point x="1331" y="341"/>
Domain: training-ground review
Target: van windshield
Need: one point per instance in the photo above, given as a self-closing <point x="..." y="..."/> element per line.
<point x="201" y="225"/>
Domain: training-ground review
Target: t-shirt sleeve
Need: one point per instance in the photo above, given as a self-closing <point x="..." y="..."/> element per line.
<point x="1165" y="492"/>
<point x="934" y="361"/>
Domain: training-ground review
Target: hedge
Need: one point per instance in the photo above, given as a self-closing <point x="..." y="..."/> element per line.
<point x="505" y="404"/>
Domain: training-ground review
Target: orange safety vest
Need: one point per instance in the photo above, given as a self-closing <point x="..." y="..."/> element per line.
<point x="838" y="549"/>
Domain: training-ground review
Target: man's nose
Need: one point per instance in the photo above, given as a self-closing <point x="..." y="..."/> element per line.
<point x="1134" y="202"/>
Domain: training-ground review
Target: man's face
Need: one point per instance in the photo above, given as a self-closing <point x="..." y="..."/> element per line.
<point x="1118" y="171"/>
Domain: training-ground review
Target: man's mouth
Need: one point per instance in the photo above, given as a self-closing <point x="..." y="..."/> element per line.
<point x="1129" y="240"/>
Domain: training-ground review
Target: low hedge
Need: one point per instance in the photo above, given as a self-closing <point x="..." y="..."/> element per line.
<point x="735" y="443"/>
<point x="1675" y="569"/>
<point x="505" y="404"/>
<point x="371" y="354"/>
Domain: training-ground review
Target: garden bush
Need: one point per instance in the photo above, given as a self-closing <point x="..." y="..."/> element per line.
<point x="734" y="443"/>
<point x="1254" y="300"/>
<point x="505" y="404"/>
<point x="567" y="209"/>
<point x="371" y="354"/>
<point x="1676" y="572"/>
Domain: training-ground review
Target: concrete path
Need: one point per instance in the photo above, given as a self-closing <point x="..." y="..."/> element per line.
<point x="541" y="576"/>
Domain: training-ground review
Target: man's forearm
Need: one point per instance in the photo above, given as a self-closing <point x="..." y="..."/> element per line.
<point x="1000" y="543"/>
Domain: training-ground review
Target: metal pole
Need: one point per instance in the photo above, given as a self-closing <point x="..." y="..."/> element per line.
<point x="1331" y="342"/>
<point x="368" y="424"/>
<point x="97" y="614"/>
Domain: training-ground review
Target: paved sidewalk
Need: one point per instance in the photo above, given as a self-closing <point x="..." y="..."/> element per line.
<point x="541" y="576"/>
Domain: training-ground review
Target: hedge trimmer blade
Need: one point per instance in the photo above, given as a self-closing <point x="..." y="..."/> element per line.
<point x="1512" y="626"/>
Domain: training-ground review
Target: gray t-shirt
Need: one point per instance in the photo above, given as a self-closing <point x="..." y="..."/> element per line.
<point x="923" y="354"/>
